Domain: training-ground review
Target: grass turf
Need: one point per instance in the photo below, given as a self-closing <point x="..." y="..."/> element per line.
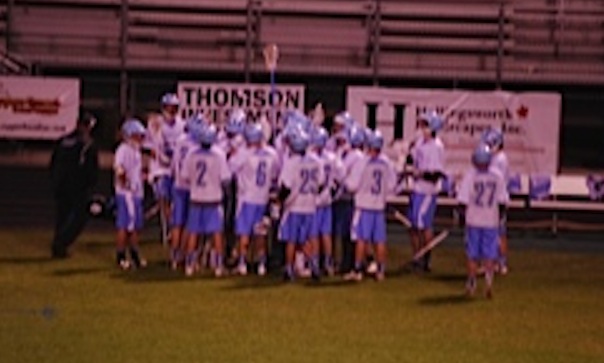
<point x="549" y="309"/>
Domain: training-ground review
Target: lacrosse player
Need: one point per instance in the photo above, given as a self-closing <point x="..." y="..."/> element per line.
<point x="343" y="205"/>
<point x="428" y="156"/>
<point x="129" y="193"/>
<point x="187" y="143"/>
<point x="372" y="181"/>
<point x="499" y="162"/>
<point x="300" y="180"/>
<point x="482" y="197"/>
<point x="207" y="173"/>
<point x="256" y="170"/>
<point x="332" y="167"/>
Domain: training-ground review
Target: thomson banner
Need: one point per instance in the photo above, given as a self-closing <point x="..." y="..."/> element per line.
<point x="530" y="122"/>
<point x="216" y="100"/>
<point x="38" y="108"/>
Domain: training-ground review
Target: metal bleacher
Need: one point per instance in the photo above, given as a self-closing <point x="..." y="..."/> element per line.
<point x="555" y="41"/>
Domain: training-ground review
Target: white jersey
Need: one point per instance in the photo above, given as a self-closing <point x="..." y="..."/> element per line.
<point x="230" y="145"/>
<point x="163" y="144"/>
<point x="303" y="176"/>
<point x="128" y="160"/>
<point x="500" y="164"/>
<point x="154" y="141"/>
<point x="372" y="182"/>
<point x="206" y="171"/>
<point x="482" y="192"/>
<point x="350" y="160"/>
<point x="428" y="156"/>
<point x="256" y="170"/>
<point x="283" y="150"/>
<point x="333" y="170"/>
<point x="184" y="146"/>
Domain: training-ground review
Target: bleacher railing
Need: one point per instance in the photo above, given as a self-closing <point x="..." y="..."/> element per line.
<point x="486" y="41"/>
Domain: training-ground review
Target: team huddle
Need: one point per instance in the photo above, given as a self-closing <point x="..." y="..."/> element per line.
<point x="313" y="186"/>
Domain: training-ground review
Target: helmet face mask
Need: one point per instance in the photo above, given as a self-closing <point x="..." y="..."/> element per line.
<point x="319" y="138"/>
<point x="481" y="157"/>
<point x="253" y="134"/>
<point x="169" y="105"/>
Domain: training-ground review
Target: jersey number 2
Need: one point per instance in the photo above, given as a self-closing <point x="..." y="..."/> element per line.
<point x="201" y="169"/>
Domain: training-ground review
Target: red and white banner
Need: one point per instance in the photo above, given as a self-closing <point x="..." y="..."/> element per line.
<point x="530" y="122"/>
<point x="38" y="107"/>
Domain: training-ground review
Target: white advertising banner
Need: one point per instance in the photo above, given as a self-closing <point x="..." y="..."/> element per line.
<point x="38" y="107"/>
<point x="530" y="122"/>
<point x="216" y="100"/>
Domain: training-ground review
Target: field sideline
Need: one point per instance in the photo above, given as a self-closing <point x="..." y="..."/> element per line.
<point x="549" y="309"/>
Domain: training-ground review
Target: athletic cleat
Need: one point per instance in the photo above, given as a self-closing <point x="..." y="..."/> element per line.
<point x="489" y="292"/>
<point x="189" y="271"/>
<point x="242" y="269"/>
<point x="124" y="265"/>
<point x="219" y="272"/>
<point x="380" y="276"/>
<point x="140" y="263"/>
<point x="503" y="269"/>
<point x="287" y="277"/>
<point x="372" y="268"/>
<point x="353" y="276"/>
<point x="174" y="265"/>
<point x="261" y="270"/>
<point x="304" y="273"/>
<point x="330" y="271"/>
<point x="470" y="287"/>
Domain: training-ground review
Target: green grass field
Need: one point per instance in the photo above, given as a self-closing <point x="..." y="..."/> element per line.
<point x="549" y="309"/>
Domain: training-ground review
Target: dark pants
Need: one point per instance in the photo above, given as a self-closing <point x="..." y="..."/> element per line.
<point x="71" y="217"/>
<point x="342" y="220"/>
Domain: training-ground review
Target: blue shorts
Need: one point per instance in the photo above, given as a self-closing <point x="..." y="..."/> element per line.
<point x="129" y="213"/>
<point x="482" y="243"/>
<point x="205" y="218"/>
<point x="296" y="228"/>
<point x="248" y="215"/>
<point x="342" y="210"/>
<point x="322" y="222"/>
<point x="180" y="207"/>
<point x="369" y="226"/>
<point x="163" y="187"/>
<point x="422" y="208"/>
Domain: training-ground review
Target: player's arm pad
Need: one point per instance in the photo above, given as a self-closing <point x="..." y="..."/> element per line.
<point x="432" y="176"/>
<point x="334" y="189"/>
<point x="320" y="188"/>
<point x="461" y="209"/>
<point x="409" y="159"/>
<point x="284" y="192"/>
<point x="502" y="212"/>
<point x="227" y="189"/>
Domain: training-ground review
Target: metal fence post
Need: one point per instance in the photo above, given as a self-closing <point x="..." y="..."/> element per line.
<point x="500" y="45"/>
<point x="248" y="41"/>
<point x="376" y="34"/>
<point x="124" y="9"/>
<point x="10" y="7"/>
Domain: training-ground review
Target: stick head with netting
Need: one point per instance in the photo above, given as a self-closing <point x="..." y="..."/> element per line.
<point x="271" y="56"/>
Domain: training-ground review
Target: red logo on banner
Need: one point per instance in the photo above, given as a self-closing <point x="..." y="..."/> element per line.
<point x="522" y="112"/>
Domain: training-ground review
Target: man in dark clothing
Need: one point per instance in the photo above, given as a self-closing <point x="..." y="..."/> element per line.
<point x="74" y="171"/>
